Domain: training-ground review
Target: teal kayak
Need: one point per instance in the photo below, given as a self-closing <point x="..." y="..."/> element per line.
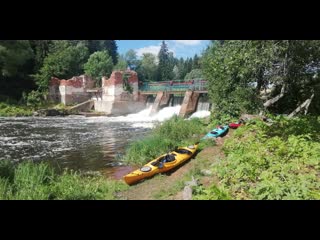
<point x="217" y="132"/>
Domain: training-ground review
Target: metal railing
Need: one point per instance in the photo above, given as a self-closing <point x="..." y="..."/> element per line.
<point x="194" y="85"/>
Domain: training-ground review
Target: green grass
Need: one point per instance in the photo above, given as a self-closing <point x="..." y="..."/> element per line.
<point x="280" y="161"/>
<point x="10" y="110"/>
<point x="13" y="109"/>
<point x="164" y="194"/>
<point x="164" y="138"/>
<point x="38" y="181"/>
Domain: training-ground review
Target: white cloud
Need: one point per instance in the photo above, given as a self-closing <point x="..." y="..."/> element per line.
<point x="150" y="49"/>
<point x="188" y="42"/>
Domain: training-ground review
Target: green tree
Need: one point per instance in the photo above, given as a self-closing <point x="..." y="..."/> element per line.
<point x="188" y="65"/>
<point x="231" y="70"/>
<point x="239" y="72"/>
<point x="112" y="48"/>
<point x="63" y="61"/>
<point x="148" y="66"/>
<point x="16" y="65"/>
<point x="13" y="55"/>
<point x="102" y="45"/>
<point x="176" y="73"/>
<point x="99" y="65"/>
<point x="196" y="62"/>
<point x="121" y="65"/>
<point x="195" y="73"/>
<point x="132" y="59"/>
<point x="41" y="50"/>
<point x="165" y="63"/>
<point x="181" y="68"/>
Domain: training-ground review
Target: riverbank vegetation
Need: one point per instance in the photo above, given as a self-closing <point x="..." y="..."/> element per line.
<point x="165" y="137"/>
<point x="280" y="161"/>
<point x="13" y="110"/>
<point x="279" y="77"/>
<point x="39" y="181"/>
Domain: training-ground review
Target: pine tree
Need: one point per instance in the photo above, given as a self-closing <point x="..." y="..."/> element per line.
<point x="165" y="65"/>
<point x="196" y="62"/>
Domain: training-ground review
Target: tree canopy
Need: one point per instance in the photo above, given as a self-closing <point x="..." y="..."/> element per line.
<point x="250" y="76"/>
<point x="99" y="65"/>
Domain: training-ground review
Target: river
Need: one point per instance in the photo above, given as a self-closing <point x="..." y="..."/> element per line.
<point x="77" y="142"/>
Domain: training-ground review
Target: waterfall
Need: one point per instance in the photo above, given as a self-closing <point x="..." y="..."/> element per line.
<point x="150" y="100"/>
<point x="176" y="100"/>
<point x="203" y="103"/>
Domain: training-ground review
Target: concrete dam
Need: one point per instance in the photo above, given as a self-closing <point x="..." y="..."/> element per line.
<point x="124" y="94"/>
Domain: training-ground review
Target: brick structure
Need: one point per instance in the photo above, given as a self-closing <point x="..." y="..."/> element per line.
<point x="115" y="99"/>
<point x="70" y="91"/>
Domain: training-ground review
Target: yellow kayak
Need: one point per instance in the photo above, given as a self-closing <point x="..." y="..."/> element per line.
<point x="162" y="164"/>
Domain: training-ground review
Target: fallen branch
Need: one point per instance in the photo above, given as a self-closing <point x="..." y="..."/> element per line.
<point x="276" y="98"/>
<point x="305" y="104"/>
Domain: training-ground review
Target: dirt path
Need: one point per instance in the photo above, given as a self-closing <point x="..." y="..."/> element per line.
<point x="148" y="189"/>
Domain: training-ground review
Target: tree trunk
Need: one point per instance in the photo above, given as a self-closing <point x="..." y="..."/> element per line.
<point x="276" y="98"/>
<point x="285" y="74"/>
<point x="305" y="104"/>
<point x="259" y="80"/>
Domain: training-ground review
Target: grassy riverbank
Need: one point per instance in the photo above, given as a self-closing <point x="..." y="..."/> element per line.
<point x="38" y="181"/>
<point x="17" y="110"/>
<point x="280" y="161"/>
<point x="13" y="110"/>
<point x="165" y="137"/>
<point x="256" y="161"/>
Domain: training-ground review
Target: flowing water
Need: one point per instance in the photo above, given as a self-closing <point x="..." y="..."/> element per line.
<point x="77" y="142"/>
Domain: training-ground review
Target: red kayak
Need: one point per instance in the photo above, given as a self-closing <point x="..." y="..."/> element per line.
<point x="236" y="125"/>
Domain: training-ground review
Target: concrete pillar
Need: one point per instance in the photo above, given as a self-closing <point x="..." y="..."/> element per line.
<point x="161" y="100"/>
<point x="189" y="104"/>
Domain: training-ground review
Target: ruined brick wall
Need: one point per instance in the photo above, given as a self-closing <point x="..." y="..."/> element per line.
<point x="70" y="91"/>
<point x="113" y="87"/>
<point x="115" y="100"/>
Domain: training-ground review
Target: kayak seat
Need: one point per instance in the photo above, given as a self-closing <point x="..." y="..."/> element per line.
<point x="183" y="151"/>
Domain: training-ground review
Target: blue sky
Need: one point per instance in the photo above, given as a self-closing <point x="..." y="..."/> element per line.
<point x="180" y="48"/>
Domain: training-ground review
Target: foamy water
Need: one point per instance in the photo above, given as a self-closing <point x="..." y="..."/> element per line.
<point x="142" y="118"/>
<point x="200" y="114"/>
